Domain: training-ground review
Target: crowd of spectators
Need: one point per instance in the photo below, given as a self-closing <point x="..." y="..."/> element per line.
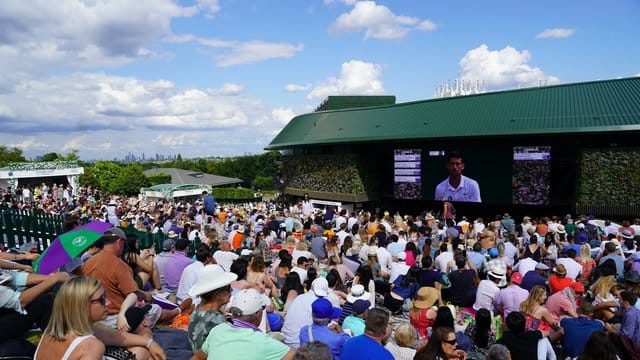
<point x="273" y="282"/>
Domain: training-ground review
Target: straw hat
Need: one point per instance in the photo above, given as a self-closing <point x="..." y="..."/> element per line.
<point x="427" y="296"/>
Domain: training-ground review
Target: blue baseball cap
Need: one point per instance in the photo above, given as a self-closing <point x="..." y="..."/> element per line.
<point x="493" y="252"/>
<point x="582" y="237"/>
<point x="323" y="309"/>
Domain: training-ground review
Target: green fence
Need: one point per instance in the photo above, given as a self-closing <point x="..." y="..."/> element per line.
<point x="147" y="240"/>
<point x="18" y="227"/>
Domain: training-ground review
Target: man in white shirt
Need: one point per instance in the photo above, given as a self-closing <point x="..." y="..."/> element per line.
<point x="225" y="257"/>
<point x="301" y="268"/>
<point x="573" y="268"/>
<point x="342" y="234"/>
<point x="399" y="267"/>
<point x="384" y="258"/>
<point x="299" y="312"/>
<point x="488" y="292"/>
<point x="195" y="232"/>
<point x="190" y="274"/>
<point x="444" y="261"/>
<point x="457" y="187"/>
<point x="525" y="265"/>
<point x="342" y="219"/>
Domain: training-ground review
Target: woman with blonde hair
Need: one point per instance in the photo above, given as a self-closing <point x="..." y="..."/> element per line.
<point x="604" y="303"/>
<point x="586" y="261"/>
<point x="537" y="315"/>
<point x="72" y="332"/>
<point x="403" y="341"/>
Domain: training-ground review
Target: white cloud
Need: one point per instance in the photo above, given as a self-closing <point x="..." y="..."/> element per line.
<point x="288" y="88"/>
<point x="38" y="37"/>
<point x="256" y="51"/>
<point x="100" y="114"/>
<point x="283" y="115"/>
<point x="29" y="143"/>
<point x="556" y="33"/>
<point x="356" y="78"/>
<point x="378" y="22"/>
<point x="208" y="7"/>
<point x="501" y="69"/>
<point x="241" y="52"/>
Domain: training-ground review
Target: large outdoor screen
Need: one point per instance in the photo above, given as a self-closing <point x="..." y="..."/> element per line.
<point x="407" y="174"/>
<point x="491" y="174"/>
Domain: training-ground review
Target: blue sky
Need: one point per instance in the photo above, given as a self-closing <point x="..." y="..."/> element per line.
<point x="222" y="78"/>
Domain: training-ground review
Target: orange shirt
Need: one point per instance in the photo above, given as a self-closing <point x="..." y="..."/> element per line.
<point x="222" y="216"/>
<point x="114" y="274"/>
<point x="236" y="242"/>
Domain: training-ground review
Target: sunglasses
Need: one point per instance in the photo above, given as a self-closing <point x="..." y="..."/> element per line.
<point x="451" y="342"/>
<point x="102" y="299"/>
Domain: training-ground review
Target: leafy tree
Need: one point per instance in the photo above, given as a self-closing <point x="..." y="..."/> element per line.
<point x="49" y="157"/>
<point x="263" y="183"/>
<point x="89" y="178"/>
<point x="10" y="155"/>
<point x="106" y="173"/>
<point x="129" y="180"/>
<point x="71" y="156"/>
<point x="156" y="179"/>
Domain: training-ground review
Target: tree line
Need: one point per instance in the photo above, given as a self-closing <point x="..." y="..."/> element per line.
<point x="257" y="171"/>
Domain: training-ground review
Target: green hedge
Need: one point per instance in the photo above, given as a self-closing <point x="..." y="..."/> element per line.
<point x="233" y="194"/>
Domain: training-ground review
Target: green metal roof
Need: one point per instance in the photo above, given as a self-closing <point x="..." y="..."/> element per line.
<point x="598" y="106"/>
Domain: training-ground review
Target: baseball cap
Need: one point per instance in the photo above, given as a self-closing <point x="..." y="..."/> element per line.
<point x="117" y="232"/>
<point x="323" y="309"/>
<point x="360" y="306"/>
<point x="320" y="287"/>
<point x="580" y="226"/>
<point x="168" y="244"/>
<point x="582" y="237"/>
<point x="516" y="278"/>
<point x="309" y="235"/>
<point x="402" y="256"/>
<point x="249" y="301"/>
<point x="493" y="252"/>
<point x="135" y="316"/>
<point x="245" y="252"/>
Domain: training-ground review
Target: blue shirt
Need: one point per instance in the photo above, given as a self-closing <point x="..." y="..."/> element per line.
<point x="476" y="258"/>
<point x="619" y="263"/>
<point x="209" y="204"/>
<point x="576" y="334"/>
<point x="10" y="296"/>
<point x="631" y="324"/>
<point x="324" y="335"/>
<point x="364" y="348"/>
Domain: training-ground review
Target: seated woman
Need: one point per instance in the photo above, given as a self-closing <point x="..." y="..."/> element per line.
<point x="291" y="289"/>
<point x="604" y="303"/>
<point x="441" y="346"/>
<point x="537" y="315"/>
<point x="256" y="273"/>
<point x="72" y="332"/>
<point x="421" y="316"/>
<point x="22" y="307"/>
<point x="345" y="273"/>
<point x="402" y="346"/>
<point x="481" y="333"/>
<point x="559" y="279"/>
<point x="142" y="264"/>
<point x="403" y="290"/>
<point x="213" y="285"/>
